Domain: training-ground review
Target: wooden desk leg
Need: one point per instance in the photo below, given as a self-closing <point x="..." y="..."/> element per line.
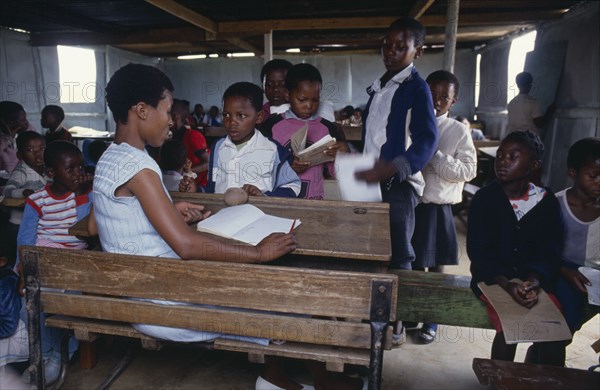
<point x="87" y="355"/>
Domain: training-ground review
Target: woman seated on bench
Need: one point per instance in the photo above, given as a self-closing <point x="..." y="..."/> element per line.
<point x="133" y="211"/>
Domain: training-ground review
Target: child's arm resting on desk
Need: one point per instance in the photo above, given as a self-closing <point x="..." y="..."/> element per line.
<point x="190" y="244"/>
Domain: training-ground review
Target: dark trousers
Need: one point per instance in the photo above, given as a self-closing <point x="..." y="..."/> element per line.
<point x="403" y="200"/>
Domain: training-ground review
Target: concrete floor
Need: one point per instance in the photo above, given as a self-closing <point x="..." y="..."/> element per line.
<point x="444" y="364"/>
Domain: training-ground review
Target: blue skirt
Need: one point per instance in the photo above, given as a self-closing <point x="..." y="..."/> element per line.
<point x="434" y="239"/>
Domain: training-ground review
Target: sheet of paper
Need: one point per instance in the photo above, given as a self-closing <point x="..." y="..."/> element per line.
<point x="542" y="322"/>
<point x="346" y="165"/>
<point x="593" y="275"/>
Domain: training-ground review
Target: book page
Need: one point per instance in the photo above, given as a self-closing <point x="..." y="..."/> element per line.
<point x="542" y="322"/>
<point x="228" y="221"/>
<point x="261" y="228"/>
<point x="593" y="275"/>
<point x="245" y="223"/>
<point x="298" y="139"/>
<point x="346" y="165"/>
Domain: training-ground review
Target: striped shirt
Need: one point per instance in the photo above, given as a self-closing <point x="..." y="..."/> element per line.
<point x="56" y="216"/>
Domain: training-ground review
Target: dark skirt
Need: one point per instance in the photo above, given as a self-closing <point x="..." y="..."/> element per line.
<point x="434" y="239"/>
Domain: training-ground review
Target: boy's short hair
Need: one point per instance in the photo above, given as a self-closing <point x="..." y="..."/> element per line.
<point x="27" y="136"/>
<point x="583" y="151"/>
<point x="57" y="150"/>
<point x="444" y="75"/>
<point x="132" y="84"/>
<point x="276" y="64"/>
<point x="524" y="78"/>
<point x="57" y="111"/>
<point x="529" y="139"/>
<point x="9" y="111"/>
<point x="301" y="72"/>
<point x="248" y="91"/>
<point x="173" y="155"/>
<point x="414" y="28"/>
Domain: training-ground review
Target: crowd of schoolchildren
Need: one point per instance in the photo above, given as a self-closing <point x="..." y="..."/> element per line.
<point x="517" y="229"/>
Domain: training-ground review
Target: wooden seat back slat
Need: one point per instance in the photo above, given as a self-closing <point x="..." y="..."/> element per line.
<point x="248" y="286"/>
<point x="244" y="323"/>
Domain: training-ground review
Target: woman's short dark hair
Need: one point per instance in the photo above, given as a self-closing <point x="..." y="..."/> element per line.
<point x="135" y="83"/>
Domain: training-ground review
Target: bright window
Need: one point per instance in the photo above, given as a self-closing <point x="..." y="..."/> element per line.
<point x="519" y="48"/>
<point x="77" y="72"/>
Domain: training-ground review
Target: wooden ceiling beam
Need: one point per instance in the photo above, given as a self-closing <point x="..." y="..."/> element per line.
<point x="419" y="8"/>
<point x="184" y="13"/>
<point x="198" y="20"/>
<point x="263" y="26"/>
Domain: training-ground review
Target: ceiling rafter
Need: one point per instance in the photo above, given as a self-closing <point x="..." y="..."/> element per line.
<point x="191" y="16"/>
<point x="420" y="7"/>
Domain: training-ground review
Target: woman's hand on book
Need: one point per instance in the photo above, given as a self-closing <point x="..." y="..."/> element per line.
<point x="191" y="212"/>
<point x="275" y="245"/>
<point x="381" y="171"/>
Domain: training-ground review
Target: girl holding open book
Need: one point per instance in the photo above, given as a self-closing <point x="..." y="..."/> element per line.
<point x="303" y="85"/>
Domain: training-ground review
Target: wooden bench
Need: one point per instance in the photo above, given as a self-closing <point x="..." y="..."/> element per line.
<point x="439" y="298"/>
<point x="290" y="304"/>
<point x="510" y="375"/>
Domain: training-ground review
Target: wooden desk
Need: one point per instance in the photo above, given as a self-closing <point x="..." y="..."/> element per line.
<point x="13" y="202"/>
<point x="353" y="133"/>
<point x="211" y="131"/>
<point x="351" y="230"/>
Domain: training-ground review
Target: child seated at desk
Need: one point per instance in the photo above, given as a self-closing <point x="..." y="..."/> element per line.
<point x="514" y="231"/>
<point x="27" y="177"/>
<point x="174" y="164"/>
<point x="580" y="207"/>
<point x="13" y="120"/>
<point x="52" y="119"/>
<point x="245" y="158"/>
<point x="303" y="83"/>
<point x="48" y="215"/>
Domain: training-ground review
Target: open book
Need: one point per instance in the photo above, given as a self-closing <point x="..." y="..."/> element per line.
<point x="542" y="322"/>
<point x="246" y="223"/>
<point x="315" y="152"/>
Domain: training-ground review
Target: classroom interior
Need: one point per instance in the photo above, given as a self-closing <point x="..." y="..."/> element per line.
<point x="563" y="55"/>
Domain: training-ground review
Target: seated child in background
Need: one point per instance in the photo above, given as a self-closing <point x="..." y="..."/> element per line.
<point x="174" y="164"/>
<point x="13" y="120"/>
<point x="92" y="152"/>
<point x="515" y="231"/>
<point x="193" y="140"/>
<point x="454" y="163"/>
<point x="580" y="207"/>
<point x="213" y="118"/>
<point x="272" y="77"/>
<point x="245" y="158"/>
<point x="27" y="177"/>
<point x="345" y="114"/>
<point x="48" y="215"/>
<point x="52" y="119"/>
<point x="51" y="211"/>
<point x="356" y="118"/>
<point x="303" y="84"/>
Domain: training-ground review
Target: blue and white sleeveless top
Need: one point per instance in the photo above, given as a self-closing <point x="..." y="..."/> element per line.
<point x="122" y="224"/>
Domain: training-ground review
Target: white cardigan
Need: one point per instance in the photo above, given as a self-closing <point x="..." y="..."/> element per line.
<point x="453" y="164"/>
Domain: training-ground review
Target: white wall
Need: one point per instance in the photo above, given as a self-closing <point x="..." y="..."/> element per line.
<point x="345" y="77"/>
